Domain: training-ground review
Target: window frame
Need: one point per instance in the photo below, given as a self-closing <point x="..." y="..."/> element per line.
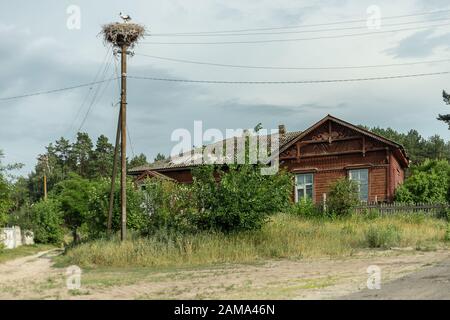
<point x="349" y="175"/>
<point x="304" y="185"/>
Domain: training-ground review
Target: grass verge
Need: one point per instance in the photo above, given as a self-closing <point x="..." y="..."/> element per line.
<point x="22" y="251"/>
<point x="285" y="236"/>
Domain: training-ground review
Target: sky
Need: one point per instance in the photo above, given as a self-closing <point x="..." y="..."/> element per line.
<point x="43" y="49"/>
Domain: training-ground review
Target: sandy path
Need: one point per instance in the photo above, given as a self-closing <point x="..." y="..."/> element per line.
<point x="16" y="275"/>
<point x="313" y="279"/>
<point x="34" y="277"/>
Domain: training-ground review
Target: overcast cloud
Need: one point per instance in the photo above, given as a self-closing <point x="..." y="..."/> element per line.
<point x="38" y="52"/>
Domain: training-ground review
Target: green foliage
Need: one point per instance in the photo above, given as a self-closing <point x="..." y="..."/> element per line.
<point x="73" y="194"/>
<point x="47" y="221"/>
<point x="305" y="207"/>
<point x="418" y="148"/>
<point x="95" y="218"/>
<point x="5" y="200"/>
<point x="428" y="182"/>
<point x="168" y="206"/>
<point x="342" y="197"/>
<point x="242" y="199"/>
<point x="138" y="160"/>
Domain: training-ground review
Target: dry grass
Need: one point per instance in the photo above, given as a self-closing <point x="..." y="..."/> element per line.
<point x="285" y="236"/>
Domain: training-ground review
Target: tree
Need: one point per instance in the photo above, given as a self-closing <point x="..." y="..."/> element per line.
<point x="47" y="221"/>
<point x="73" y="195"/>
<point x="81" y="154"/>
<point x="445" y="117"/>
<point x="160" y="157"/>
<point x="6" y="202"/>
<point x="102" y="157"/>
<point x="62" y="151"/>
<point x="139" y="160"/>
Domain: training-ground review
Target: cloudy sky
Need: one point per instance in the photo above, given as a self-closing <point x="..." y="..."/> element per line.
<point x="38" y="52"/>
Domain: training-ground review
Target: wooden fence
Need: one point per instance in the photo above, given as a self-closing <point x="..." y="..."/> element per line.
<point x="395" y="207"/>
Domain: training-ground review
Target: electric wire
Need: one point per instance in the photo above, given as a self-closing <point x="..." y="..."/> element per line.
<point x="291" y="82"/>
<point x="309" y="25"/>
<point x="297" y="39"/>
<point x="294" y="32"/>
<point x="292" y="68"/>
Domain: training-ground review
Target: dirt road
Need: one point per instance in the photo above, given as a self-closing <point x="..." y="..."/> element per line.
<point x="430" y="283"/>
<point x="34" y="277"/>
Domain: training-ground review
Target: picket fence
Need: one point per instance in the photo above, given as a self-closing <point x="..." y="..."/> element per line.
<point x="396" y="207"/>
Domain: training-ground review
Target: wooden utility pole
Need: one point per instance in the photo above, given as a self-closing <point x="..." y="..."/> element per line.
<point x="45" y="186"/>
<point x="114" y="175"/>
<point x="123" y="146"/>
<point x="122" y="36"/>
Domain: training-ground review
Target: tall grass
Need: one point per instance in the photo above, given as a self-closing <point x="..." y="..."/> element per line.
<point x="285" y="236"/>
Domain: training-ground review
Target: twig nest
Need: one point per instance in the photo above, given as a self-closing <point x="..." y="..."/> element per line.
<point x="119" y="34"/>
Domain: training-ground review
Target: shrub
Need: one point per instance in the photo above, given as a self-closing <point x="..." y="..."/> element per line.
<point x="382" y="236"/>
<point x="47" y="221"/>
<point x="428" y="182"/>
<point x="73" y="194"/>
<point x="242" y="199"/>
<point x="5" y="200"/>
<point x="305" y="207"/>
<point x="343" y="197"/>
<point x="95" y="219"/>
<point x="168" y="206"/>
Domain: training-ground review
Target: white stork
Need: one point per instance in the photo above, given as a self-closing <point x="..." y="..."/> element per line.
<point x="125" y="17"/>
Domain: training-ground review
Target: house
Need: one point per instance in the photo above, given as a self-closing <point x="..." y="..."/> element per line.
<point x="328" y="150"/>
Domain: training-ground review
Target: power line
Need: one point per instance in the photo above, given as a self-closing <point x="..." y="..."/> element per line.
<point x="291" y="68"/>
<point x="291" y="82"/>
<point x="308" y="25"/>
<point x="94" y="97"/>
<point x="55" y="90"/>
<point x="104" y="61"/>
<point x="291" y="32"/>
<point x="300" y="39"/>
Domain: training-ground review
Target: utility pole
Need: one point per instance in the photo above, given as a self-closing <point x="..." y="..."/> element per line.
<point x="43" y="159"/>
<point x="114" y="175"/>
<point x="123" y="145"/>
<point x="122" y="36"/>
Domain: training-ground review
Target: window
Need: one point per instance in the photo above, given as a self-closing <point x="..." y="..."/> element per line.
<point x="361" y="176"/>
<point x="303" y="186"/>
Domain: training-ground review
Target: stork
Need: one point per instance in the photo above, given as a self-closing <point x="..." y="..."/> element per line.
<point x="125" y="17"/>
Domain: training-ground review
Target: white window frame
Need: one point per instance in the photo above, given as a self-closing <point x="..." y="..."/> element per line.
<point x="358" y="181"/>
<point x="304" y="185"/>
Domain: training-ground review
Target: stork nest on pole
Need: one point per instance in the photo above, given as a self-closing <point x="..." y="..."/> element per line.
<point x="120" y="34"/>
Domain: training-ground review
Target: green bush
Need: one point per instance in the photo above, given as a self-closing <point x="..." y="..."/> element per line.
<point x="242" y="199"/>
<point x="428" y="182"/>
<point x="95" y="215"/>
<point x="305" y="207"/>
<point x="47" y="221"/>
<point x="343" y="197"/>
<point x="168" y="206"/>
<point x="5" y="200"/>
<point x="382" y="237"/>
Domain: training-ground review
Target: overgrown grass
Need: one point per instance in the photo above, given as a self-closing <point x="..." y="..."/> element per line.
<point x="285" y="236"/>
<point x="22" y="251"/>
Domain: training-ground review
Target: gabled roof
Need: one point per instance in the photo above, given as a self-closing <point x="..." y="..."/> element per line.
<point x="349" y="125"/>
<point x="185" y="160"/>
